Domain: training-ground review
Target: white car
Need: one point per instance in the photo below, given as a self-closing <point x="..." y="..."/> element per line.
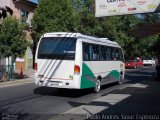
<point x="149" y="62"/>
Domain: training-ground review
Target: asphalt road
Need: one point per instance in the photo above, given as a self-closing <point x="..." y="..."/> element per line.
<point x="27" y="101"/>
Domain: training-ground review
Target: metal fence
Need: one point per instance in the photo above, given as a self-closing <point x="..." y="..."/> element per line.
<point x="7" y="72"/>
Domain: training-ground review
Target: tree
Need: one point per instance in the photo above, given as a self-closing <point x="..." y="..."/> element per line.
<point x="88" y="24"/>
<point x="149" y="18"/>
<point x="65" y="16"/>
<point x="54" y="16"/>
<point x="12" y="38"/>
<point x="116" y="28"/>
<point x="78" y="16"/>
<point x="155" y="46"/>
<point x="150" y="44"/>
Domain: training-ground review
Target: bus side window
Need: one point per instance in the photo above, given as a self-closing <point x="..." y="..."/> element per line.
<point x="108" y="53"/>
<point x="113" y="54"/>
<point x="90" y="52"/>
<point x="100" y="54"/>
<point x="85" y="52"/>
<point x="103" y="53"/>
<point x="96" y="54"/>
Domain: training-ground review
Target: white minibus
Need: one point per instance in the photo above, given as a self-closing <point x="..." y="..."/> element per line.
<point x="76" y="61"/>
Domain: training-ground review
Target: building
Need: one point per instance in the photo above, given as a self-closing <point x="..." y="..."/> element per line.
<point x="22" y="10"/>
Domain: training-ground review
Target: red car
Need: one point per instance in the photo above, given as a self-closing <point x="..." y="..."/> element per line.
<point x="131" y="64"/>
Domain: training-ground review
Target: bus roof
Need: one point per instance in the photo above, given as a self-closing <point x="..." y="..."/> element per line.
<point x="85" y="38"/>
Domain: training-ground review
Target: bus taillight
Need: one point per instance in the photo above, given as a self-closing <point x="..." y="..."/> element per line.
<point x="76" y="69"/>
<point x="35" y="66"/>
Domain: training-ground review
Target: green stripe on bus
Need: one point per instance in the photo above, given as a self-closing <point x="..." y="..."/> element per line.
<point x="115" y="74"/>
<point x="88" y="78"/>
<point x="86" y="72"/>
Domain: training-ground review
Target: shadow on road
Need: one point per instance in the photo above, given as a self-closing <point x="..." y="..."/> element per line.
<point x="140" y="103"/>
<point x="71" y="93"/>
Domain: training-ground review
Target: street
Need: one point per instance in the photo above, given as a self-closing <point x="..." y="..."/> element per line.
<point x="80" y="46"/>
<point x="30" y="102"/>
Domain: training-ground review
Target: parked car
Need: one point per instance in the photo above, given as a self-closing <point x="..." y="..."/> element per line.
<point x="131" y="64"/>
<point x="139" y="62"/>
<point x="149" y="61"/>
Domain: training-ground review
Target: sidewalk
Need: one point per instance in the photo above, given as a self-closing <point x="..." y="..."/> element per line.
<point x="137" y="102"/>
<point x="28" y="79"/>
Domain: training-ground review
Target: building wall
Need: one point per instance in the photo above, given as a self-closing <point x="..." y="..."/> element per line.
<point x="5" y="3"/>
<point x="19" y="6"/>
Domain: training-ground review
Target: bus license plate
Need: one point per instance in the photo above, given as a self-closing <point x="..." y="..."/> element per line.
<point x="54" y="83"/>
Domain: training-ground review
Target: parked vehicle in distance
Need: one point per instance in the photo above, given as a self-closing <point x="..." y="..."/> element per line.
<point x="131" y="64"/>
<point x="139" y="62"/>
<point x="149" y="61"/>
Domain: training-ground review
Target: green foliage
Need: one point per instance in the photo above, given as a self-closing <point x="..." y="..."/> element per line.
<point x="150" y="44"/>
<point x="88" y="23"/>
<point x="54" y="16"/>
<point x="78" y="16"/>
<point x="12" y="38"/>
<point x="156" y="46"/>
<point x="149" y="18"/>
<point x="116" y="28"/>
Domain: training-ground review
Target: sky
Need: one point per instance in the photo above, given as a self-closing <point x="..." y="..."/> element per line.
<point x="35" y="1"/>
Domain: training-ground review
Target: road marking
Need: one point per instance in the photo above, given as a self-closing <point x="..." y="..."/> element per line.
<point x="138" y="85"/>
<point x="86" y="109"/>
<point x="111" y="99"/>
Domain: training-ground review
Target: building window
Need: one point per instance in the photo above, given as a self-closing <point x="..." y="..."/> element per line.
<point x="24" y="16"/>
<point x="26" y="19"/>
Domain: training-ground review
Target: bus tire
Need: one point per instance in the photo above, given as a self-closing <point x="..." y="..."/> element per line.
<point x="98" y="86"/>
<point x="61" y="90"/>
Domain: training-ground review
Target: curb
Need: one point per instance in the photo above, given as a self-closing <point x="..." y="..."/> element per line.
<point x="16" y="82"/>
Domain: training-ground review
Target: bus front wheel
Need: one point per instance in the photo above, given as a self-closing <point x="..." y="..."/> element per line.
<point x="97" y="86"/>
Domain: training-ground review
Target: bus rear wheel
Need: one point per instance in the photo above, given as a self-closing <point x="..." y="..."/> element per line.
<point x="98" y="86"/>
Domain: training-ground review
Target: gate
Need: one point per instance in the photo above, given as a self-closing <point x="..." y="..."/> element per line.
<point x="7" y="72"/>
